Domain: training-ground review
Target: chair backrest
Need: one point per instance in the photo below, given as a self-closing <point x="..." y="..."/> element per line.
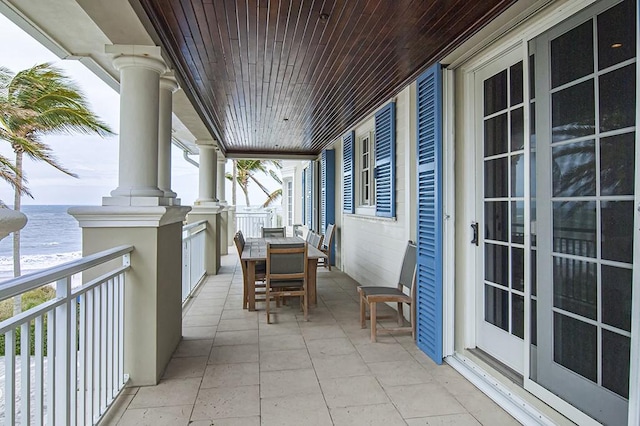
<point x="238" y="239"/>
<point x="408" y="270"/>
<point x="273" y="232"/>
<point x="328" y="237"/>
<point x="315" y="239"/>
<point x="287" y="261"/>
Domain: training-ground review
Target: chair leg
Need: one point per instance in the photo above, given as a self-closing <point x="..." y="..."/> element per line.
<point x="372" y="315"/>
<point x="305" y="307"/>
<point x="245" y="295"/>
<point x="362" y="312"/>
<point x="400" y="315"/>
<point x="266" y="300"/>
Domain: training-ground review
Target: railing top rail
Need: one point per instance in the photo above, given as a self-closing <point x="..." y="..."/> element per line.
<point x="190" y="226"/>
<point x="28" y="282"/>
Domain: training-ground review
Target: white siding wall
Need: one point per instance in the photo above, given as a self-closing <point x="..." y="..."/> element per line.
<point x="370" y="249"/>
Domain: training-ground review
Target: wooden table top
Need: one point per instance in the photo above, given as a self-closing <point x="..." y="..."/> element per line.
<point x="256" y="248"/>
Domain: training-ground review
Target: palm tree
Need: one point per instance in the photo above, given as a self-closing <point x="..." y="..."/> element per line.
<point x="35" y="102"/>
<point x="244" y="172"/>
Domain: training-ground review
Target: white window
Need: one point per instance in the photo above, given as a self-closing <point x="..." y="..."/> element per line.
<point x="289" y="195"/>
<point x="366" y="163"/>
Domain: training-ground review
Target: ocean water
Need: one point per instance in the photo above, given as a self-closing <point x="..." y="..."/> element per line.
<point x="50" y="237"/>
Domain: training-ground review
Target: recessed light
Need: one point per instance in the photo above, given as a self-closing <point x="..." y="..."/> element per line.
<point x="324" y="17"/>
<point x="616" y="45"/>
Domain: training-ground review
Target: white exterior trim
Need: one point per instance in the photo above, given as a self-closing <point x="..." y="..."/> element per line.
<point x="128" y="216"/>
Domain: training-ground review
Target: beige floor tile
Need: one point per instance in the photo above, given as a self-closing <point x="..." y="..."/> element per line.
<point x="233" y="354"/>
<point x="246" y="337"/>
<point x="371" y="415"/>
<point x="456" y="384"/>
<point x="285" y="383"/>
<point x="117" y="409"/>
<point x="313" y="332"/>
<point x="194" y="333"/>
<point x="495" y="417"/>
<point x="180" y="368"/>
<point x="397" y="373"/>
<point x="200" y="320"/>
<point x="238" y="324"/>
<point x="348" y="391"/>
<point x="424" y="400"/>
<point x="229" y="375"/>
<point x="383" y="351"/>
<point x="237" y="314"/>
<point x="449" y="420"/>
<point x="330" y="347"/>
<point x="191" y="348"/>
<point x="233" y="421"/>
<point x="167" y="393"/>
<point x="219" y="403"/>
<point x="282" y="342"/>
<point x="293" y="359"/>
<point x="204" y="309"/>
<point x="157" y="416"/>
<point x="307" y="410"/>
<point x="290" y="328"/>
<point x="330" y="367"/>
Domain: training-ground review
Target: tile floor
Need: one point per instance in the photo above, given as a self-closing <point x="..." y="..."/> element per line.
<point x="231" y="368"/>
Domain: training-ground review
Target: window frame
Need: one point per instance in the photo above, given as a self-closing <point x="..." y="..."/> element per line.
<point x="366" y="205"/>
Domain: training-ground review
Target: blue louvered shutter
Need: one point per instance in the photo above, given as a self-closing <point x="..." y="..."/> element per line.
<point x="347" y="172"/>
<point x="429" y="276"/>
<point x="308" y="172"/>
<point x="385" y="152"/>
<point x="327" y="189"/>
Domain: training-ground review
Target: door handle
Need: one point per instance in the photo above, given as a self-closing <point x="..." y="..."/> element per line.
<point x="474" y="229"/>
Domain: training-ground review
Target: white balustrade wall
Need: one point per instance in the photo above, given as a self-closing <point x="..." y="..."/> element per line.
<point x="75" y="368"/>
<point x="193" y="261"/>
<point x="252" y="222"/>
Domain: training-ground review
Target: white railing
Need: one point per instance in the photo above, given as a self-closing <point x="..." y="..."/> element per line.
<point x="193" y="266"/>
<point x="252" y="222"/>
<point x="73" y="369"/>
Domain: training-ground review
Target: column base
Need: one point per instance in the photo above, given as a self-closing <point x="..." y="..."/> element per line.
<point x="138" y="201"/>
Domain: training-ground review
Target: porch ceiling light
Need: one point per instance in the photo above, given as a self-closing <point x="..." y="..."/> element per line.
<point x="616" y="45"/>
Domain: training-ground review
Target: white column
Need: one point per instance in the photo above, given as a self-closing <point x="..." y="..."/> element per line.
<point x="140" y="69"/>
<point x="222" y="181"/>
<point x="168" y="86"/>
<point x="207" y="173"/>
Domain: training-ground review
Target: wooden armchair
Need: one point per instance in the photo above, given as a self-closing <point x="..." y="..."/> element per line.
<point x="287" y="274"/>
<point x="326" y="246"/>
<point x="273" y="232"/>
<point x="238" y="239"/>
<point x="371" y="295"/>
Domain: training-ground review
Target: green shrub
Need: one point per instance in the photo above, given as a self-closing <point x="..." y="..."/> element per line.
<point x="30" y="299"/>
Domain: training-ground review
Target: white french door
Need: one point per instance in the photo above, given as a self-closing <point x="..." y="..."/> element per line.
<point x="501" y="190"/>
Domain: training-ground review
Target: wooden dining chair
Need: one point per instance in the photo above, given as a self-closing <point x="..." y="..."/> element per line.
<point x="371" y="295"/>
<point x="326" y="246"/>
<point x="260" y="272"/>
<point x="287" y="274"/>
<point x="273" y="232"/>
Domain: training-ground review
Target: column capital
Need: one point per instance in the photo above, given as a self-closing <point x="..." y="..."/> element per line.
<point x="129" y="55"/>
<point x="206" y="143"/>
<point x="169" y="82"/>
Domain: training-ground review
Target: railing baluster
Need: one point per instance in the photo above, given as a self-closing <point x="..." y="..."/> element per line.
<point x="103" y="356"/>
<point x="89" y="348"/>
<point x="82" y="360"/>
<point x="39" y="371"/>
<point x="10" y="378"/>
<point x="51" y="366"/>
<point x="63" y="356"/>
<point x="25" y="373"/>
<point x="121" y="329"/>
<point x="96" y="353"/>
<point x="109" y="286"/>
<point x="73" y="360"/>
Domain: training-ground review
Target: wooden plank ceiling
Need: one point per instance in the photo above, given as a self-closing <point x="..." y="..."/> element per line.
<point x="289" y="76"/>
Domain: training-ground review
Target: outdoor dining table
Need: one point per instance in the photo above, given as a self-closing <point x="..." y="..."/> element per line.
<point x="255" y="250"/>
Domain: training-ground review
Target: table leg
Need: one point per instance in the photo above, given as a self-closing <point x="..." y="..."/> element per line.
<point x="251" y="284"/>
<point x="312" y="267"/>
